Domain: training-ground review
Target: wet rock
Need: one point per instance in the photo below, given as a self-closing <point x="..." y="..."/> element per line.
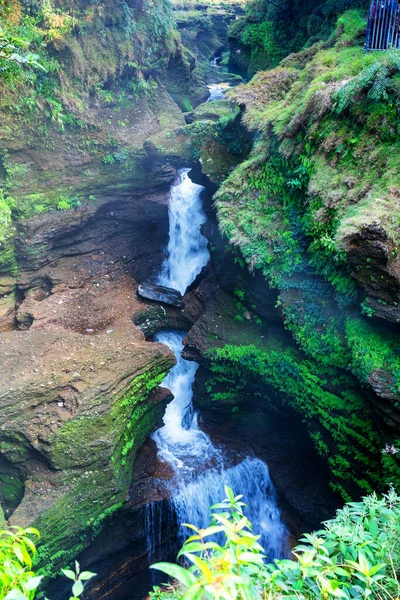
<point x="161" y="293"/>
<point x="155" y="318"/>
<point x="375" y="264"/>
<point x="7" y="302"/>
<point x="135" y="227"/>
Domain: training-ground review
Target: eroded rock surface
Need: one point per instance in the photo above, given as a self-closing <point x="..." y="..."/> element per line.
<point x="77" y="376"/>
<point x="160" y="293"/>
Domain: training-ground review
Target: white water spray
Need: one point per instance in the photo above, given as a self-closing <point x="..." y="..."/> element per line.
<point x="202" y="469"/>
<point x="217" y="91"/>
<point x="187" y="248"/>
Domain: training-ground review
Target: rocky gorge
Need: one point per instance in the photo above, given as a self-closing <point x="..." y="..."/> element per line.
<point x="292" y="321"/>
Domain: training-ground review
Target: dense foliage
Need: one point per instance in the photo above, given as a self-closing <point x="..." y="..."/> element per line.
<point x="272" y="30"/>
<point x="355" y="556"/>
<point x="13" y="55"/>
<point x="304" y="210"/>
<point x="339" y="423"/>
<point x="18" y="580"/>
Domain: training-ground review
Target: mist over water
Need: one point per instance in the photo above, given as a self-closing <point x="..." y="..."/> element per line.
<point x="202" y="469"/>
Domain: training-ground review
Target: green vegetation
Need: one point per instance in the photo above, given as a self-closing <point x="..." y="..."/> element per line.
<point x="272" y="30"/>
<point x="101" y="475"/>
<point x="215" y="137"/>
<point x="18" y="581"/>
<point x="13" y="57"/>
<point x="63" y="70"/>
<point x="309" y="208"/>
<point x="328" y="402"/>
<point x="355" y="556"/>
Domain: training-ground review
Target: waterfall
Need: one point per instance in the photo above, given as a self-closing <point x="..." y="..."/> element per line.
<point x="201" y="469"/>
<point x="159" y="517"/>
<point x="180" y="442"/>
<point x="217" y="91"/>
<point x="187" y="248"/>
<point x="250" y="478"/>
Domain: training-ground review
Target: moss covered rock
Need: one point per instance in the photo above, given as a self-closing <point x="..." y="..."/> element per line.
<point x="314" y="209"/>
<point x="215" y="137"/>
<point x="75" y="410"/>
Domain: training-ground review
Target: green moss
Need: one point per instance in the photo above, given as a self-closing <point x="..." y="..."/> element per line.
<point x="304" y="190"/>
<point x="7" y="253"/>
<point x="340" y="422"/>
<point x="291" y="208"/>
<point x="374" y="349"/>
<point x="216" y="138"/>
<point x="94" y="455"/>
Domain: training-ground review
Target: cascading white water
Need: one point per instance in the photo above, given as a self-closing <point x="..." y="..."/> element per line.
<point x="217" y="91"/>
<point x="250" y="478"/>
<point x="202" y="469"/>
<point x="187" y="248"/>
<point x="180" y="442"/>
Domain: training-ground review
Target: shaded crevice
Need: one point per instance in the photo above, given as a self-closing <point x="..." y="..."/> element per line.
<point x="12" y="486"/>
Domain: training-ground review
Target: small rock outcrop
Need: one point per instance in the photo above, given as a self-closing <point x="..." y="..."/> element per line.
<point x="160" y="293"/>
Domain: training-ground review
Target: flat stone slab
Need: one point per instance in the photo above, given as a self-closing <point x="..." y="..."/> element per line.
<point x="161" y="293"/>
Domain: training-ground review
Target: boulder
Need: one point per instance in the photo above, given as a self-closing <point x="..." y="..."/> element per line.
<point x="161" y="293"/>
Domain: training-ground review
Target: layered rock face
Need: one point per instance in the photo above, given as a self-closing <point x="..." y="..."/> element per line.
<point x="85" y="221"/>
<point x="72" y="135"/>
<point x="76" y="394"/>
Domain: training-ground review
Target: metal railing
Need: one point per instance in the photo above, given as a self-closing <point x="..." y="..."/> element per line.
<point x="383" y="25"/>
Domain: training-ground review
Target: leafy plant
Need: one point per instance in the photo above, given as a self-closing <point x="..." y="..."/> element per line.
<point x="78" y="578"/>
<point x="18" y="581"/>
<point x="14" y="54"/>
<point x="375" y="78"/>
<point x="355" y="556"/>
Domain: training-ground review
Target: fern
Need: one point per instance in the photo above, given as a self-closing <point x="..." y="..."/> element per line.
<point x="375" y="78"/>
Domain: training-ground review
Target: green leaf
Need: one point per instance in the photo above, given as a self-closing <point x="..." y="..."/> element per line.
<point x="248" y="592"/>
<point x="68" y="573"/>
<point x="229" y="493"/>
<point x="211" y="530"/>
<point x="176" y="572"/>
<point x="15" y="595"/>
<point x="373" y="527"/>
<point x="202" y="566"/>
<point x="85" y="575"/>
<point x="194" y="592"/>
<point x="298" y="584"/>
<point x="33" y="583"/>
<point x="251" y="557"/>
<point x="32" y="531"/>
<point x="191" y="547"/>
<point x="28" y="542"/>
<point x="190" y="527"/>
<point x="198" y="547"/>
<point x="77" y="588"/>
<point x="18" y="553"/>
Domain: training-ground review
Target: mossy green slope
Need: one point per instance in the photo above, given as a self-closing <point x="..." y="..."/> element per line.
<point x="314" y="208"/>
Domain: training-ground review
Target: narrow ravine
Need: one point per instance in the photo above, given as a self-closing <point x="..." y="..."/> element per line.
<point x="201" y="469"/>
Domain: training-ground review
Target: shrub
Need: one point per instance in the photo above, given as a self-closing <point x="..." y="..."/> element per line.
<point x="355" y="556"/>
<point x="14" y="55"/>
<point x="18" y="581"/>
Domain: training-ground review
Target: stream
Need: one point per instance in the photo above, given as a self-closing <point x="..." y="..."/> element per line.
<point x="201" y="469"/>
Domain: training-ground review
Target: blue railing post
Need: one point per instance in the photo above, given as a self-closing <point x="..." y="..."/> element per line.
<point x="369" y="27"/>
<point x="383" y="29"/>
